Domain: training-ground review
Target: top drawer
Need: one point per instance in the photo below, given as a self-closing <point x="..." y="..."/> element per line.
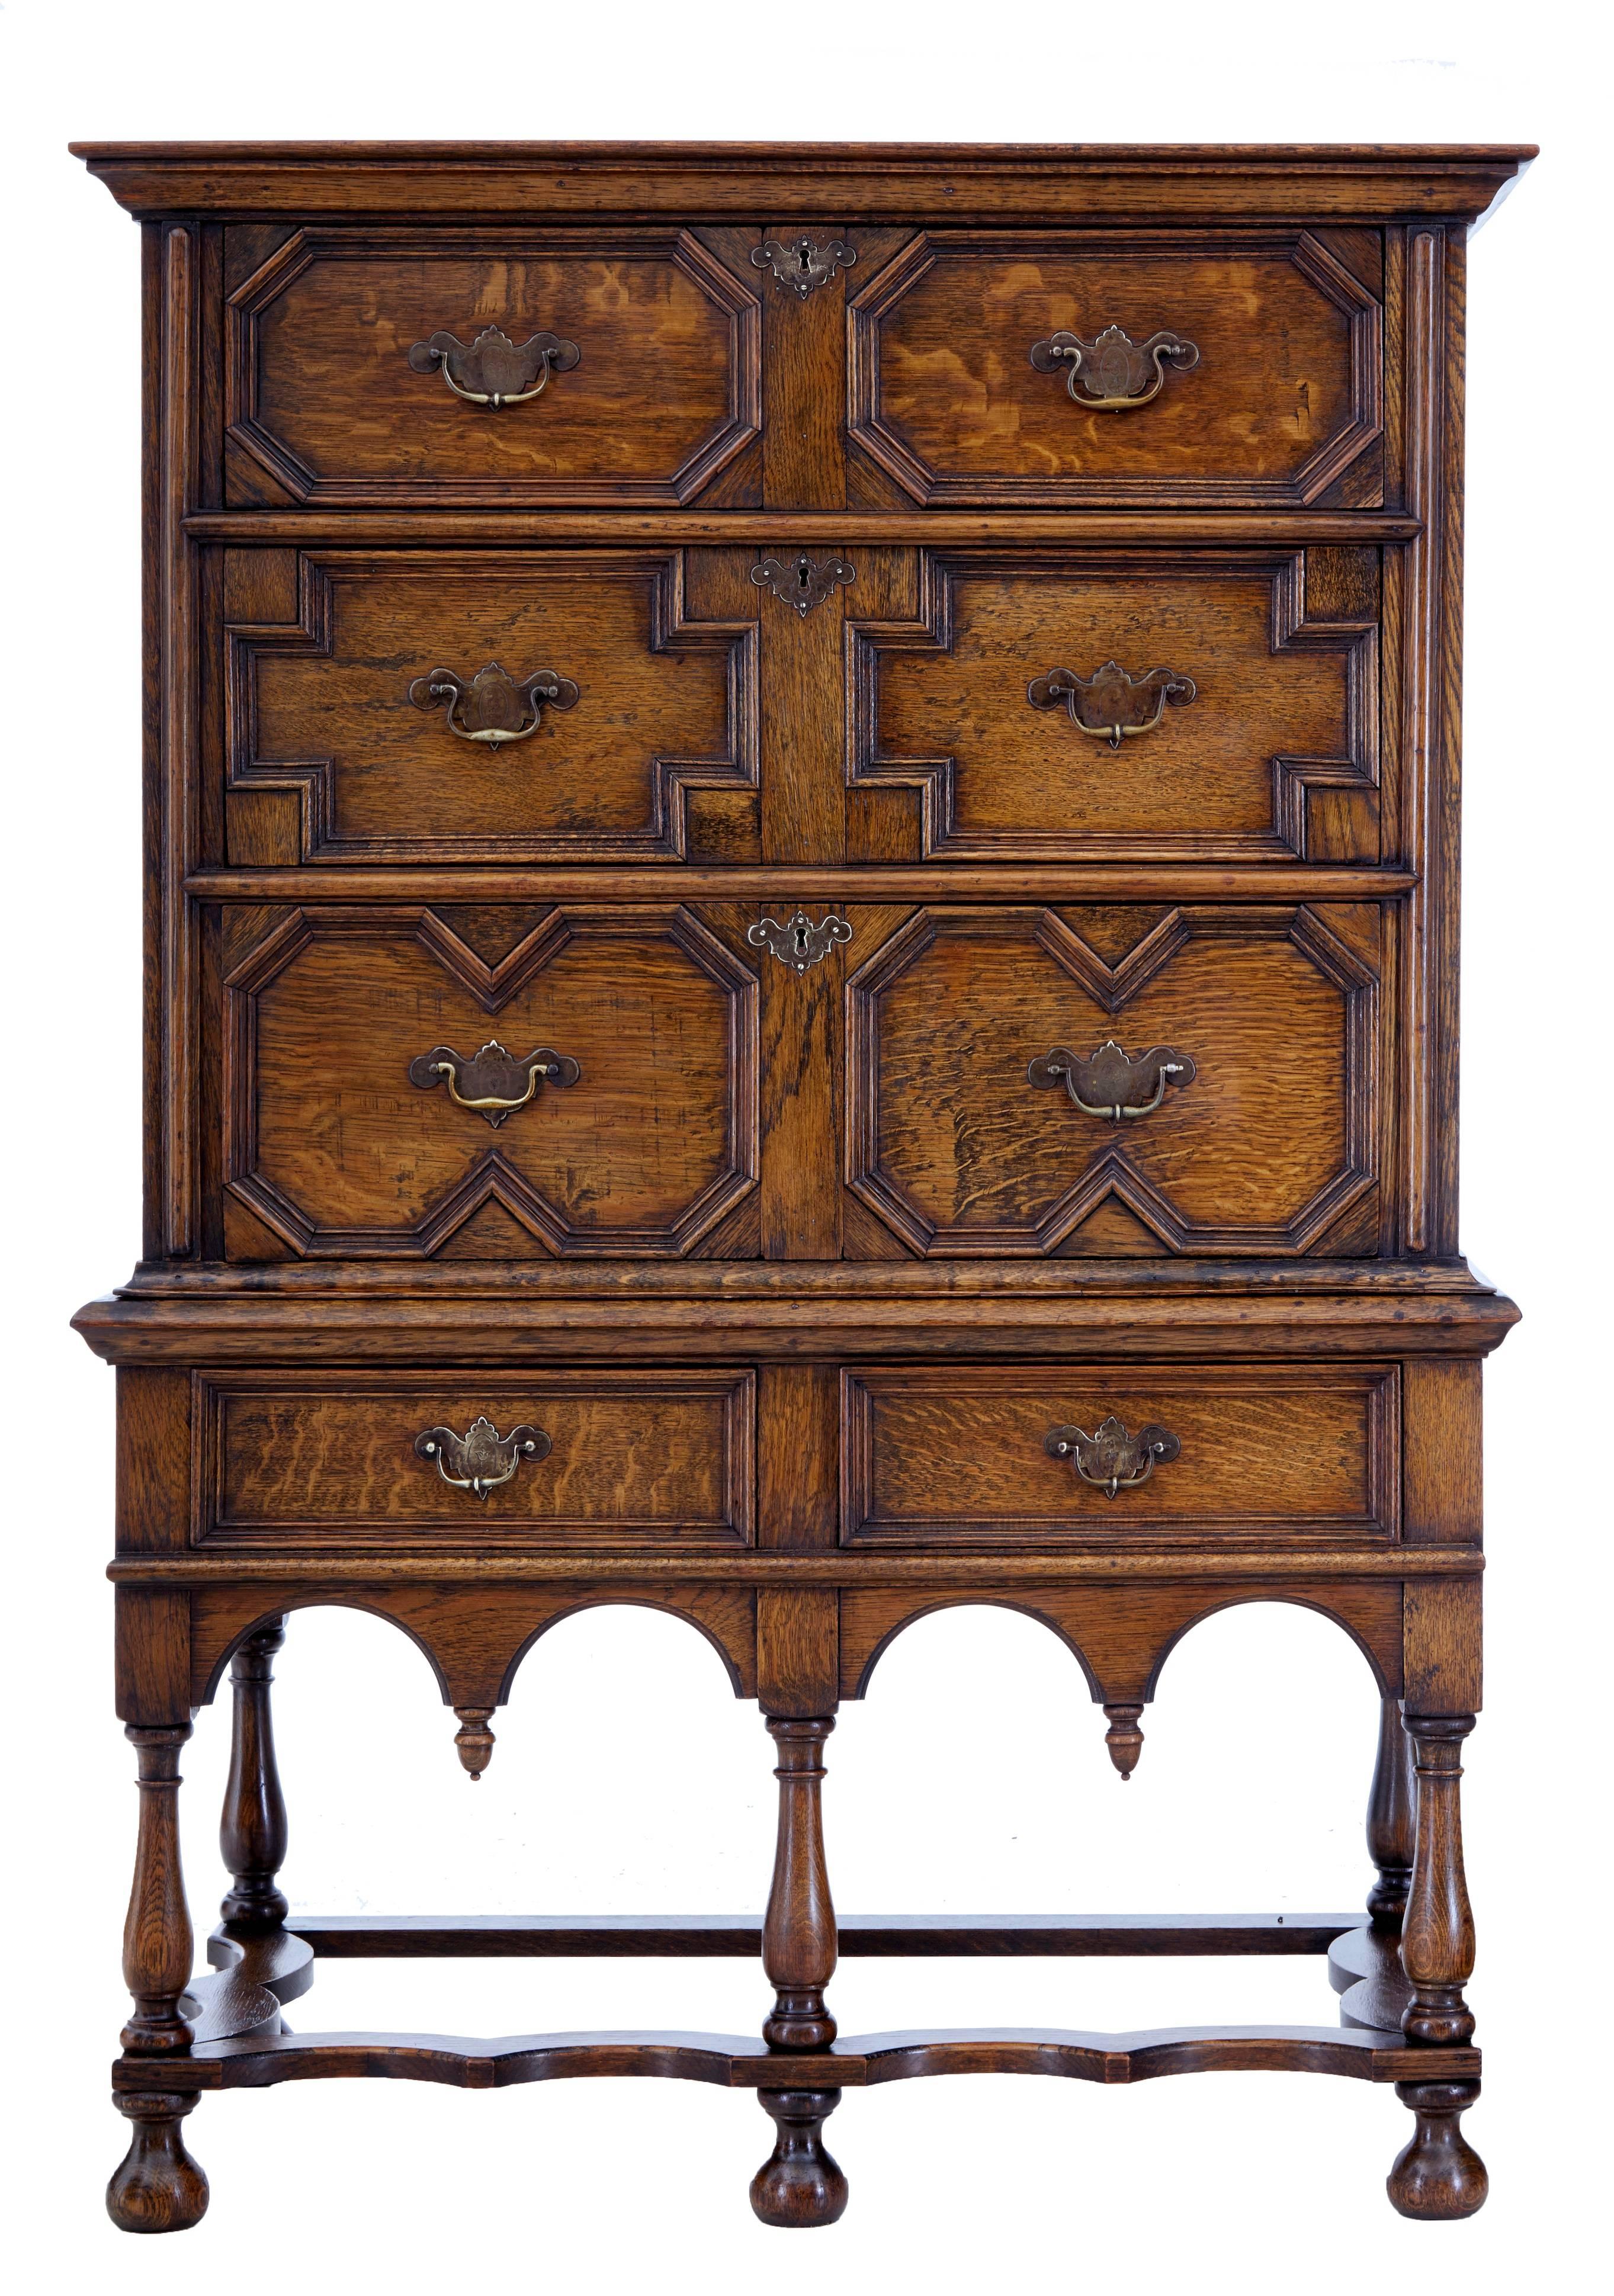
<point x="364" y="369"/>
<point x="1078" y="367"/>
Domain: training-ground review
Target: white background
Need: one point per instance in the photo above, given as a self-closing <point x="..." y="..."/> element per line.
<point x="974" y="1778"/>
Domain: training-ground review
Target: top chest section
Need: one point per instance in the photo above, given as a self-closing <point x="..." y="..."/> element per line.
<point x="805" y="365"/>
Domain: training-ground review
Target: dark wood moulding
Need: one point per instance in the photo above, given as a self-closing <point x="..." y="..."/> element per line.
<point x="1074" y="183"/>
<point x="554" y="530"/>
<point x="794" y="881"/>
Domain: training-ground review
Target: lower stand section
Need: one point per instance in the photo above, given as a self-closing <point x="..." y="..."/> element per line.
<point x="1400" y="1970"/>
<point x="801" y="2184"/>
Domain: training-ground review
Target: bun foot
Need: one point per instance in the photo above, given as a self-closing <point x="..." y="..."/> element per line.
<point x="1438" y="2176"/>
<point x="157" y="2188"/>
<point x="801" y="2184"/>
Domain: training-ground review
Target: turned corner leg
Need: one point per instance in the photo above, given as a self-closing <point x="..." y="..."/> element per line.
<point x="252" y="1830"/>
<point x="800" y="2184"/>
<point x="1438" y="2174"/>
<point x="1437" y="1927"/>
<point x="157" y="2188"/>
<point x="1391" y="1814"/>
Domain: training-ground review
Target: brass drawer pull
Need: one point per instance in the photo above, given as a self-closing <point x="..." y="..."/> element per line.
<point x="1112" y="372"/>
<point x="1113" y="1083"/>
<point x="493" y="370"/>
<point x="493" y="706"/>
<point x="481" y="1458"/>
<point x="1112" y="703"/>
<point x="492" y="1077"/>
<point x="1110" y="1459"/>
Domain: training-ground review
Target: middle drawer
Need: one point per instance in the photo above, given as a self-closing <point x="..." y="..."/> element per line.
<point x="672" y="705"/>
<point x="604" y="1458"/>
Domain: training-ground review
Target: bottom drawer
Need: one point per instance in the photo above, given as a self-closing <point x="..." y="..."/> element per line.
<point x="604" y="1458"/>
<point x="1077" y="1456"/>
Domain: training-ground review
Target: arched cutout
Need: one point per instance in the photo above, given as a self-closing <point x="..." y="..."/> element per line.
<point x="1241" y="1601"/>
<point x="1121" y="1634"/>
<point x="635" y="1601"/>
<point x="297" y="1602"/>
<point x="970" y="1601"/>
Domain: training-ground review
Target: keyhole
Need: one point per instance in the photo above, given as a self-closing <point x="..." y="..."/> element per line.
<point x="803" y="573"/>
<point x="800" y="933"/>
<point x="803" y="256"/>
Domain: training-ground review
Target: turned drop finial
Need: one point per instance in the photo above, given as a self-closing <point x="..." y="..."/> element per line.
<point x="473" y="1739"/>
<point x="1124" y="1739"/>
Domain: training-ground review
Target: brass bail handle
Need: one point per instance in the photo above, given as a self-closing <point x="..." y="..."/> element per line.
<point x="449" y="1072"/>
<point x="1112" y="1083"/>
<point x="492" y="1075"/>
<point x="482" y="1457"/>
<point x="1111" y="1459"/>
<point x="1168" y="1070"/>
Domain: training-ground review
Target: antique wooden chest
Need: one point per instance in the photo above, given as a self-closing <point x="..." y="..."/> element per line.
<point x="802" y="830"/>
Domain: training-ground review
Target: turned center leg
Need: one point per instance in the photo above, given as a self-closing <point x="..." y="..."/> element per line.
<point x="799" y="1933"/>
<point x="800" y="2184"/>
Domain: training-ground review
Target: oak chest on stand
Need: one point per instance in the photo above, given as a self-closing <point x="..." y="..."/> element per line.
<point x="802" y="826"/>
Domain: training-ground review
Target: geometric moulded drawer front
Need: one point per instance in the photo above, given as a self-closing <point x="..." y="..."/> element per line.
<point x="1209" y="1084"/>
<point x="594" y="1090"/>
<point x="989" y="1455"/>
<point x="629" y="1457"/>
<point x="363" y="370"/>
<point x="1066" y="368"/>
<point x="439" y="706"/>
<point x="1094" y="707"/>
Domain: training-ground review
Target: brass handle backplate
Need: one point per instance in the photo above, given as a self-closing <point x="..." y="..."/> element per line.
<point x="480" y="1459"/>
<point x="1112" y="1083"/>
<point x="1112" y="703"/>
<point x="493" y="370"/>
<point x="1112" y="372"/>
<point x="493" y="707"/>
<point x="491" y="1083"/>
<point x="1109" y="1458"/>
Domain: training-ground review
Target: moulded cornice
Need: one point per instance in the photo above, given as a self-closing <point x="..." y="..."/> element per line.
<point x="913" y="182"/>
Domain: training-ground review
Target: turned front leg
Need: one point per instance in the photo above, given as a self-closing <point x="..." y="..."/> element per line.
<point x="157" y="2188"/>
<point x="1438" y="2174"/>
<point x="253" y="1829"/>
<point x="800" y="2184"/>
<point x="1391" y="1820"/>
